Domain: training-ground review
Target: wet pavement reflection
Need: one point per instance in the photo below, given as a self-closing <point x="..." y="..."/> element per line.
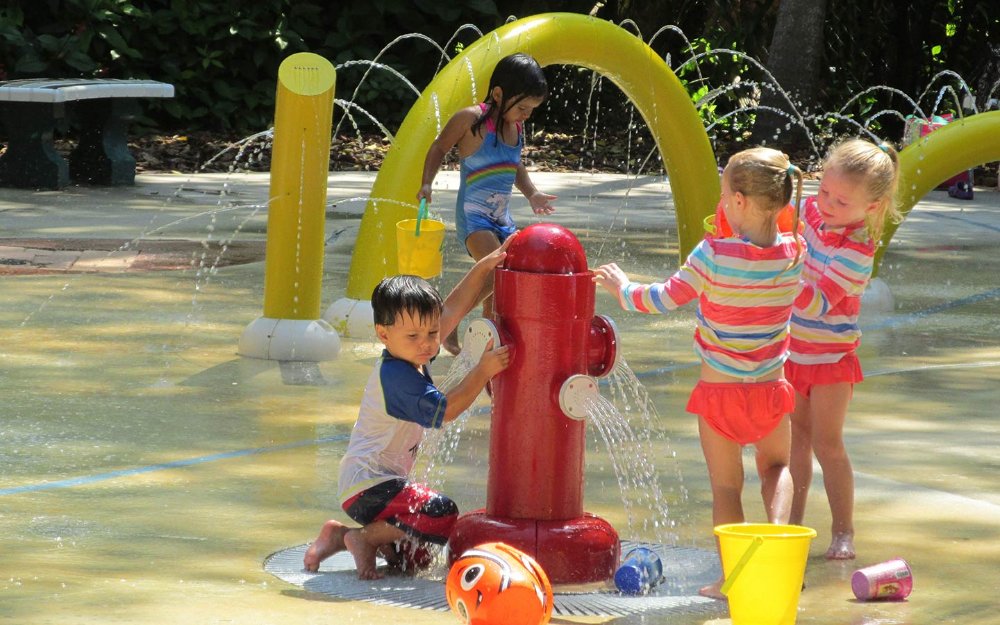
<point x="148" y="471"/>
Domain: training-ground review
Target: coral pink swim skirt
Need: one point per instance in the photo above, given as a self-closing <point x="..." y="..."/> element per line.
<point x="743" y="413"/>
<point x="804" y="377"/>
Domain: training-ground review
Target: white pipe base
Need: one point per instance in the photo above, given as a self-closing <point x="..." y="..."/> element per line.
<point x="301" y="340"/>
<point x="353" y="318"/>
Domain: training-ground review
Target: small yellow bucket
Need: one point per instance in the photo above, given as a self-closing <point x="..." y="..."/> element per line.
<point x="709" y="224"/>
<point x="418" y="244"/>
<point x="764" y="565"/>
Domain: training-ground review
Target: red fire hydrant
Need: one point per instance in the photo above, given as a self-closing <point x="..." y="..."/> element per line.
<point x="544" y="296"/>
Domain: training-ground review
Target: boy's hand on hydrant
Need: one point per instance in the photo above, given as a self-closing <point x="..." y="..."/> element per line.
<point x="496" y="360"/>
<point x="496" y="257"/>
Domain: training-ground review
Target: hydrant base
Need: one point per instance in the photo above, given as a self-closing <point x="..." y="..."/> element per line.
<point x="571" y="551"/>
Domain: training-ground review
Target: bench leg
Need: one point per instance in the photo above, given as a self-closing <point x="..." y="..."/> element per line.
<point x="31" y="160"/>
<point x="102" y="156"/>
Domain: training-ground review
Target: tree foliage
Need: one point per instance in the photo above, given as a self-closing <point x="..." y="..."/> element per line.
<point x="223" y="57"/>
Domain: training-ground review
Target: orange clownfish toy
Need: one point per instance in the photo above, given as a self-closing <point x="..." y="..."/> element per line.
<point x="496" y="584"/>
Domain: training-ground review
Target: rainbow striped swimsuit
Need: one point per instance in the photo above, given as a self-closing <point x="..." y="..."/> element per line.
<point x="487" y="179"/>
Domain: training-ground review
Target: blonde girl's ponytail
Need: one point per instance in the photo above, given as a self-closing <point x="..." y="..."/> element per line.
<point x="886" y="183"/>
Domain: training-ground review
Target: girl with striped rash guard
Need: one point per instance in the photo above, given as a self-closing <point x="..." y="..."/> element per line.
<point x="842" y="224"/>
<point x="744" y="285"/>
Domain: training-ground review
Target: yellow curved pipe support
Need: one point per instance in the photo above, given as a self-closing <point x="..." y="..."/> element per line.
<point x="300" y="162"/>
<point x="552" y="38"/>
<point x="949" y="150"/>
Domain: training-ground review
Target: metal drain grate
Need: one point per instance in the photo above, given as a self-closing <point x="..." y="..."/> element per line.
<point x="685" y="569"/>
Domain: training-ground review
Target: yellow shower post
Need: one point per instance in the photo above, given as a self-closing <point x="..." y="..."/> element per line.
<point x="291" y="327"/>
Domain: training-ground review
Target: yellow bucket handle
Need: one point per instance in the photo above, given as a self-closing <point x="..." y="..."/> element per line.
<point x="731" y="578"/>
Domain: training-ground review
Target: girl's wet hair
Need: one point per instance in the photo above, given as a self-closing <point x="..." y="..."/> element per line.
<point x="876" y="168"/>
<point x="397" y="294"/>
<point x="769" y="177"/>
<point x="519" y="76"/>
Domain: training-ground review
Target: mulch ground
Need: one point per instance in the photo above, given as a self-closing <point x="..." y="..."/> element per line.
<point x="200" y="152"/>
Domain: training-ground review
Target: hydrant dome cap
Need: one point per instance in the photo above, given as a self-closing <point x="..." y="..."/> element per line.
<point x="546" y="248"/>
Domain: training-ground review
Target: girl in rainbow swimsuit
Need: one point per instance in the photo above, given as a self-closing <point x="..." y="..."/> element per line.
<point x="490" y="137"/>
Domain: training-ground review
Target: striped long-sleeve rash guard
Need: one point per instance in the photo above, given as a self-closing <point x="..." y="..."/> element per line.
<point x="837" y="268"/>
<point x="745" y="296"/>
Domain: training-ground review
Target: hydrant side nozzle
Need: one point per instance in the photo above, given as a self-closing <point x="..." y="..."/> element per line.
<point x="577" y="393"/>
<point x="477" y="336"/>
<point x="603" y="352"/>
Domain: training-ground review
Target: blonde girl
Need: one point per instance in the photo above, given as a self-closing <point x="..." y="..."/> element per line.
<point x="842" y="226"/>
<point x="744" y="285"/>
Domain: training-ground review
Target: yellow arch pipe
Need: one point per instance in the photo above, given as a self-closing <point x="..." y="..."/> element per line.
<point x="934" y="158"/>
<point x="552" y="38"/>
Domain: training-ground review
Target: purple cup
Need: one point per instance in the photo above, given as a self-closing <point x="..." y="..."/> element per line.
<point x="888" y="580"/>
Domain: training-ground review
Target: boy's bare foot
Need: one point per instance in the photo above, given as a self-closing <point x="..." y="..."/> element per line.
<point x="329" y="542"/>
<point x="392" y="557"/>
<point x="713" y="591"/>
<point x="841" y="547"/>
<point x="364" y="554"/>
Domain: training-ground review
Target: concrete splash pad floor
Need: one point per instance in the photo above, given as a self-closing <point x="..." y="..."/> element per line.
<point x="148" y="470"/>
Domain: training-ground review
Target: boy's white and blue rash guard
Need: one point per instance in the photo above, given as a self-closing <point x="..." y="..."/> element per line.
<point x="398" y="403"/>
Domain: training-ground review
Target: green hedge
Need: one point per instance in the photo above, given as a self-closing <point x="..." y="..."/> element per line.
<point x="222" y="57"/>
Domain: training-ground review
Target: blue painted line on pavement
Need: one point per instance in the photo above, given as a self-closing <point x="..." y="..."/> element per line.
<point x="100" y="477"/>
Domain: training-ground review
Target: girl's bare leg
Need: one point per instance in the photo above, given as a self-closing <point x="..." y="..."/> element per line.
<point x="775" y="478"/>
<point x="829" y="411"/>
<point x="329" y="542"/>
<point x="725" y="473"/>
<point x="801" y="461"/>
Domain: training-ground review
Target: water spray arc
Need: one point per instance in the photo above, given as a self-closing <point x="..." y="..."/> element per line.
<point x="552" y="38"/>
<point x="291" y="327"/>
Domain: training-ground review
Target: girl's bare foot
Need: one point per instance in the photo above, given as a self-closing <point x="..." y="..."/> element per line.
<point x="841" y="547"/>
<point x="364" y="554"/>
<point x="329" y="542"/>
<point x="713" y="591"/>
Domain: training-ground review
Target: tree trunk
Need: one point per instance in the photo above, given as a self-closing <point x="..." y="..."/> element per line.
<point x="794" y="59"/>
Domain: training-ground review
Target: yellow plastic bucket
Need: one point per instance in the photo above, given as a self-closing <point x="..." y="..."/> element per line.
<point x="709" y="224"/>
<point x="418" y="245"/>
<point x="764" y="565"/>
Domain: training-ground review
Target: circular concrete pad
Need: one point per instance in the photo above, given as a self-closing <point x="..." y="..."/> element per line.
<point x="685" y="570"/>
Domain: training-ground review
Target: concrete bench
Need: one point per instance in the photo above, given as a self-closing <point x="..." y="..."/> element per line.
<point x="101" y="108"/>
